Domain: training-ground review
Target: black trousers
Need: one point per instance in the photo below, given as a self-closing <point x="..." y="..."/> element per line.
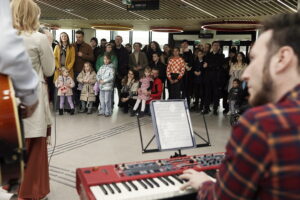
<point x="75" y="91"/>
<point x="199" y="94"/>
<point x="175" y="90"/>
<point x="187" y="87"/>
<point x="225" y="98"/>
<point x="128" y="104"/>
<point x="212" y="90"/>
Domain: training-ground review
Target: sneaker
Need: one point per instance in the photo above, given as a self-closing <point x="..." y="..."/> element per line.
<point x="100" y="114"/>
<point x="61" y="111"/>
<point x="89" y="111"/>
<point x="141" y="114"/>
<point x="72" y="111"/>
<point x="133" y="113"/>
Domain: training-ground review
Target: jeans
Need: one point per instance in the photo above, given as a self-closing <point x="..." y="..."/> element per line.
<point x="105" y="102"/>
<point x="232" y="106"/>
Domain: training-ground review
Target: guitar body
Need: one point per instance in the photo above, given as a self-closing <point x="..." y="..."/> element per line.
<point x="11" y="141"/>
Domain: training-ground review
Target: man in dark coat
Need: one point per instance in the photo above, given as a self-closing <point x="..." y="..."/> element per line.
<point x="213" y="80"/>
<point x="123" y="59"/>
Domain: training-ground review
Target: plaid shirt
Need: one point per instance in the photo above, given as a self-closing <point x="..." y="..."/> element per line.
<point x="176" y="65"/>
<point x="263" y="155"/>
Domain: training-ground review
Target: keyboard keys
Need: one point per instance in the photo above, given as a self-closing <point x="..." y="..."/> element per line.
<point x="116" y="187"/>
<point x="169" y="180"/>
<point x="126" y="186"/>
<point x="148" y="183"/>
<point x="133" y="186"/>
<point x="143" y="189"/>
<point x="163" y="181"/>
<point x="154" y="182"/>
<point x="110" y="189"/>
<point x="177" y="179"/>
<point x="142" y="183"/>
<point x="103" y="189"/>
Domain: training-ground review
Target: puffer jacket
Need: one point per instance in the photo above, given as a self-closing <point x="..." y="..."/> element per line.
<point x="107" y="74"/>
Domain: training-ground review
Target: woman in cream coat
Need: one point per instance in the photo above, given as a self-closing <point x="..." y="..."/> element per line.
<point x="35" y="184"/>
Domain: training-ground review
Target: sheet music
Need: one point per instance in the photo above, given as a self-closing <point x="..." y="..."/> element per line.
<point x="173" y="125"/>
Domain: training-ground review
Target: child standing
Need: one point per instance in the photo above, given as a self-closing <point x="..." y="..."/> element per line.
<point x="144" y="91"/>
<point x="87" y="78"/>
<point x="234" y="96"/>
<point x="65" y="83"/>
<point x="105" y="77"/>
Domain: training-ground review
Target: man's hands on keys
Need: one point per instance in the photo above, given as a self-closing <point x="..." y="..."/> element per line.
<point x="194" y="179"/>
<point x="27" y="111"/>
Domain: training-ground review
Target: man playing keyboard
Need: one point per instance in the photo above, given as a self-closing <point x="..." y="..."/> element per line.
<point x="262" y="156"/>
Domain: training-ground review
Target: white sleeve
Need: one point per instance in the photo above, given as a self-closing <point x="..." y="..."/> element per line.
<point x="14" y="60"/>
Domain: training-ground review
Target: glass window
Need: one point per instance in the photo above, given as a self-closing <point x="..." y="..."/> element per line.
<point x="100" y="34"/>
<point x="140" y="36"/>
<point x="68" y="31"/>
<point x="160" y="38"/>
<point x="226" y="51"/>
<point x="124" y="34"/>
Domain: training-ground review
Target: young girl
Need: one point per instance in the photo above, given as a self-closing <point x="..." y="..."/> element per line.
<point x="105" y="77"/>
<point x="144" y="91"/>
<point x="87" y="78"/>
<point x="65" y="83"/>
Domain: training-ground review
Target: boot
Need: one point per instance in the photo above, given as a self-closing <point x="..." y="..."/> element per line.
<point x="133" y="113"/>
<point x="61" y="111"/>
<point x="72" y="111"/>
<point x="90" y="107"/>
<point x="82" y="109"/>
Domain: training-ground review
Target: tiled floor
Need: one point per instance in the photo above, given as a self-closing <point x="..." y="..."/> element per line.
<point x="89" y="140"/>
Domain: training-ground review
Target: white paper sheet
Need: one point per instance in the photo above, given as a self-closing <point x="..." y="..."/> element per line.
<point x="173" y="125"/>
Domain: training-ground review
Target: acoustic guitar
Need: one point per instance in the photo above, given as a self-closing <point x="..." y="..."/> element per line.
<point x="11" y="141"/>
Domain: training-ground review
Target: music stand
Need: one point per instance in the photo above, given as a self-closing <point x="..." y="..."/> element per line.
<point x="206" y="141"/>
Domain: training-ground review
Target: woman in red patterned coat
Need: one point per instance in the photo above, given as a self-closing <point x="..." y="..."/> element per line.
<point x="175" y="71"/>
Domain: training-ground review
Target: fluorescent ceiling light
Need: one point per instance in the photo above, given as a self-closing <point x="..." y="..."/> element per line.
<point x="126" y="10"/>
<point x="63" y="10"/>
<point x="293" y="9"/>
<point x="198" y="8"/>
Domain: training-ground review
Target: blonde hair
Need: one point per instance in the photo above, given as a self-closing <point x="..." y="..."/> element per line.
<point x="26" y="14"/>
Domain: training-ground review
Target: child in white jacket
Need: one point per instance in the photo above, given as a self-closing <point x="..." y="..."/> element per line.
<point x="105" y="78"/>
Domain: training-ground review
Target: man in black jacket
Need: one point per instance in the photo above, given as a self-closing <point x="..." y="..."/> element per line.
<point x="187" y="86"/>
<point x="123" y="58"/>
<point x="213" y="82"/>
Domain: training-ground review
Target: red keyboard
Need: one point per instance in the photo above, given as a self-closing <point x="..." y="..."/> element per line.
<point x="154" y="179"/>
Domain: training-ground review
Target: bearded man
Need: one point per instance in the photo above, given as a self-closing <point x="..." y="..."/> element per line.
<point x="262" y="156"/>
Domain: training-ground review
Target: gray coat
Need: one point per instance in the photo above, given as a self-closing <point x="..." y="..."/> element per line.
<point x="107" y="74"/>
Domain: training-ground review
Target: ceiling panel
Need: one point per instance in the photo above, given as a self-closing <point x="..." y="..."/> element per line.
<point x="83" y="13"/>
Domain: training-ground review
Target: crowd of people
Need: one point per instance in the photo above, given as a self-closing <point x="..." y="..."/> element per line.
<point x="202" y="77"/>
